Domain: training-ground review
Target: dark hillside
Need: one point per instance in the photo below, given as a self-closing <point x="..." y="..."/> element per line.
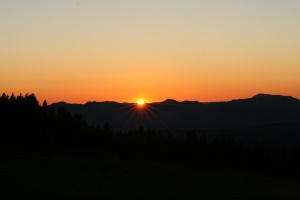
<point x="47" y="153"/>
<point x="191" y="115"/>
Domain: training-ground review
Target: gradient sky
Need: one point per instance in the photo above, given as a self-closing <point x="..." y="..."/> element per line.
<point x="124" y="50"/>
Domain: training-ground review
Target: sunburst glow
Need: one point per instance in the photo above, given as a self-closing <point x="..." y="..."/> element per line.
<point x="141" y="102"/>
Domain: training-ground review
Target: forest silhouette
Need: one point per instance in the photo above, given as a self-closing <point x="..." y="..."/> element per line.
<point x="34" y="131"/>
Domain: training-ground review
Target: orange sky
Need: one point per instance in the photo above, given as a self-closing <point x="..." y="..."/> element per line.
<point x="79" y="51"/>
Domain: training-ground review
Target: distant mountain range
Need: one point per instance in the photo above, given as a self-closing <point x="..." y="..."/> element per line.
<point x="261" y="109"/>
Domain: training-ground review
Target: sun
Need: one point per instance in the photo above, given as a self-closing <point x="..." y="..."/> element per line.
<point x="141" y="102"/>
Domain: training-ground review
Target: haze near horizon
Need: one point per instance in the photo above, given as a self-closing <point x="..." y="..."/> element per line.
<point x="79" y="51"/>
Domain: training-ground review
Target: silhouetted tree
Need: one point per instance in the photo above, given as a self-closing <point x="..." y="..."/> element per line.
<point x="12" y="98"/>
<point x="107" y="130"/>
<point x="45" y="105"/>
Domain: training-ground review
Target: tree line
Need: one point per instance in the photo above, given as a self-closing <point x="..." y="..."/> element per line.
<point x="28" y="127"/>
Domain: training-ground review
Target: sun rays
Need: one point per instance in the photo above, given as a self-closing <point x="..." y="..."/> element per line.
<point x="136" y="115"/>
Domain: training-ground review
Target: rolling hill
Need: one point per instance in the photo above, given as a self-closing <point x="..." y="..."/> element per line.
<point x="261" y="109"/>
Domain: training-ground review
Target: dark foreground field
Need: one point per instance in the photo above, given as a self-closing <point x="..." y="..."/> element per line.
<point x="48" y="153"/>
<point x="37" y="177"/>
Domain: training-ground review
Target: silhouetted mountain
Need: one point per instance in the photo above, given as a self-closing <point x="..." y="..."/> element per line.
<point x="191" y="115"/>
<point x="278" y="98"/>
<point x="169" y="101"/>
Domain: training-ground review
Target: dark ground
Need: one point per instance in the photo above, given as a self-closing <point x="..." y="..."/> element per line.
<point x="40" y="177"/>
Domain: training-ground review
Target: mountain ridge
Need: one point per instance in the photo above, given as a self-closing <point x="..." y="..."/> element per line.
<point x="170" y="100"/>
<point x="191" y="115"/>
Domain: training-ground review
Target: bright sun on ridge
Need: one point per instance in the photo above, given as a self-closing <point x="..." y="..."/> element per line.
<point x="140" y="102"/>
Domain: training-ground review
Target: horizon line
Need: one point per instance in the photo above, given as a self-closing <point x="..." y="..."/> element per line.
<point x="170" y="99"/>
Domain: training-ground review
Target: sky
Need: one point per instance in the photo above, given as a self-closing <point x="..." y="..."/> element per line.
<point x="125" y="50"/>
